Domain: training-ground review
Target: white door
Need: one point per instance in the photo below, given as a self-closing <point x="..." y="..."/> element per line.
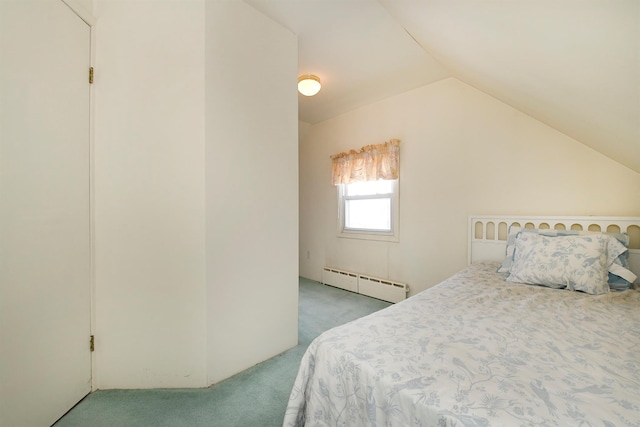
<point x="45" y="261"/>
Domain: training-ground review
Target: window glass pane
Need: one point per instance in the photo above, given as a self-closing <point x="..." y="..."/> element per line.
<point x="369" y="188"/>
<point x="368" y="214"/>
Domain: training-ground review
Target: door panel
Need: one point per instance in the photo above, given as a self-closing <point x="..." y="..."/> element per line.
<point x="45" y="264"/>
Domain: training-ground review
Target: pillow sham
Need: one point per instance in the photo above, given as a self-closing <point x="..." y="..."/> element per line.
<point x="618" y="280"/>
<point x="505" y="267"/>
<point x="576" y="262"/>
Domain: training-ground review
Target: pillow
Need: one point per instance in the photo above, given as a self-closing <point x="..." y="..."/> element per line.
<point x="505" y="267"/>
<point x="620" y="278"/>
<point x="616" y="280"/>
<point x="576" y="262"/>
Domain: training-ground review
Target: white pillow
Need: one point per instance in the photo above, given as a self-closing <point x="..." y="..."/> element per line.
<point x="576" y="262"/>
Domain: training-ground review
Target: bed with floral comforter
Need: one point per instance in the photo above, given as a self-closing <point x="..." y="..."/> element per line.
<point x="476" y="350"/>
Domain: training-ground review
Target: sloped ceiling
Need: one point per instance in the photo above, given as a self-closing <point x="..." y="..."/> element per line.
<point x="359" y="51"/>
<point x="572" y="64"/>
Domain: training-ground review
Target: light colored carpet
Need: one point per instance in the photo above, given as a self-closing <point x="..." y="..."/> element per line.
<point x="256" y="397"/>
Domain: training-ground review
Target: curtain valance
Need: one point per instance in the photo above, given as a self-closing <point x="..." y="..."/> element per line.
<point x="370" y="163"/>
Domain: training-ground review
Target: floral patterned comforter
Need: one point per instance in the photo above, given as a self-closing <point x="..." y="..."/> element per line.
<point x="478" y="351"/>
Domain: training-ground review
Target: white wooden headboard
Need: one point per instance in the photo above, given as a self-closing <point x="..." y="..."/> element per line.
<point x="488" y="234"/>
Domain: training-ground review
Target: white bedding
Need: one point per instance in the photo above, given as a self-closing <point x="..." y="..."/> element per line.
<point x="478" y="351"/>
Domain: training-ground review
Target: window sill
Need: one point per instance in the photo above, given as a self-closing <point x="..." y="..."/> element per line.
<point x="369" y="236"/>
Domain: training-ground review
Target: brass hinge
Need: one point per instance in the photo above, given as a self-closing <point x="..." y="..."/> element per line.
<point x="90" y="75"/>
<point x="92" y="343"/>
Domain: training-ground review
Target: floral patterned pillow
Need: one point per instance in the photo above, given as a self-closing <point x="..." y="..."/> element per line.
<point x="576" y="262"/>
<point x="619" y="279"/>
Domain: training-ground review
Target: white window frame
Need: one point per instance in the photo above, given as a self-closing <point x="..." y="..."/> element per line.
<point x="367" y="234"/>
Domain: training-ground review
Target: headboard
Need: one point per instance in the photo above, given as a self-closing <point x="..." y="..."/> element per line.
<point x="488" y="234"/>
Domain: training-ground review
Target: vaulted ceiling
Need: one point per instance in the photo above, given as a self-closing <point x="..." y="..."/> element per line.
<point x="572" y="64"/>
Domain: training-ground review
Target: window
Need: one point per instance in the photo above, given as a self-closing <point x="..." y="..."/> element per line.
<point x="367" y="182"/>
<point x="369" y="210"/>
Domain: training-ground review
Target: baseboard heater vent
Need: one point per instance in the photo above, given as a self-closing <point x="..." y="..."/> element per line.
<point x="340" y="279"/>
<point x="382" y="289"/>
<point x="375" y="287"/>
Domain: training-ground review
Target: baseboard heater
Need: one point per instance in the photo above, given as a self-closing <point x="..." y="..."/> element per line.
<point x="384" y="289"/>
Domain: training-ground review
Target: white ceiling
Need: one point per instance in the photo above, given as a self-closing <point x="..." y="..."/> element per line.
<point x="572" y="64"/>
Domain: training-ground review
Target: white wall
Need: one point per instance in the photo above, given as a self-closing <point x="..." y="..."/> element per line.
<point x="252" y="188"/>
<point x="462" y="152"/>
<point x="82" y="8"/>
<point x="149" y="194"/>
<point x="195" y="236"/>
<point x="194" y="240"/>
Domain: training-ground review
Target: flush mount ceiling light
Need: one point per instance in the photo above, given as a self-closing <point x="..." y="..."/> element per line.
<point x="308" y="84"/>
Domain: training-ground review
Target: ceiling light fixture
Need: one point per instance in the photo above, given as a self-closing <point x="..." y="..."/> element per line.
<point x="308" y="84"/>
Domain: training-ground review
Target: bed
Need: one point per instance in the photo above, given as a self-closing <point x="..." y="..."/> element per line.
<point x="480" y="350"/>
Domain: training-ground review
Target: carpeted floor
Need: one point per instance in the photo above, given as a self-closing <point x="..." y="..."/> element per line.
<point x="256" y="397"/>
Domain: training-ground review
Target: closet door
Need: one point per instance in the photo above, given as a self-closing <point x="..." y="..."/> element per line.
<point x="45" y="247"/>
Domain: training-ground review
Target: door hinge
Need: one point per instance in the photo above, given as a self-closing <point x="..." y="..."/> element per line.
<point x="90" y="75"/>
<point x="92" y="343"/>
